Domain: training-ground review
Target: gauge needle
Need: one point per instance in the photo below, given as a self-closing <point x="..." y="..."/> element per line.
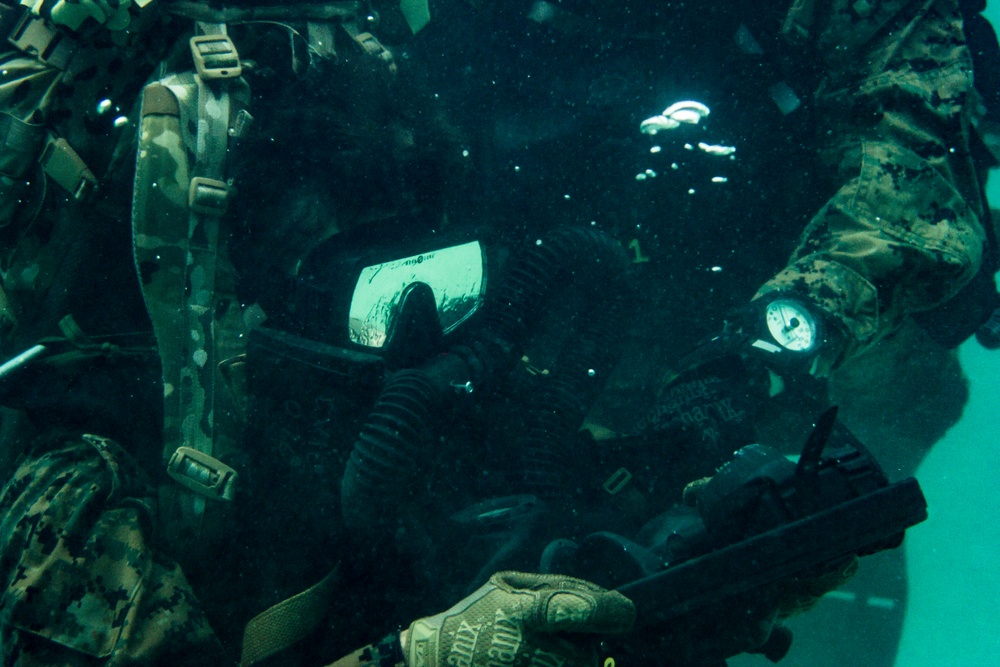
<point x="789" y="324"/>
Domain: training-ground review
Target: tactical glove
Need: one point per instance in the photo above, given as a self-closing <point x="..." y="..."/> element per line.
<point x="520" y="619"/>
<point x="72" y="14"/>
<point x="706" y="410"/>
<point x="802" y="592"/>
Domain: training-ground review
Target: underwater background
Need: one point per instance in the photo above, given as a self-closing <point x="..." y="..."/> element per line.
<point x="952" y="612"/>
<point x="950" y="604"/>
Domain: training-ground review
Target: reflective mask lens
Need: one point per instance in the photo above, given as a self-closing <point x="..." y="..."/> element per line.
<point x="455" y="275"/>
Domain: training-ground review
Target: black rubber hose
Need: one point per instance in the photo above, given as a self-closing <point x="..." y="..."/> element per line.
<point x="389" y="449"/>
<point x="394" y="445"/>
<point x="545" y="267"/>
<point x="598" y="264"/>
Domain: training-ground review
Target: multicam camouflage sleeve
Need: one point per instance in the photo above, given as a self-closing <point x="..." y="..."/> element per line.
<point x="82" y="581"/>
<point x="902" y="232"/>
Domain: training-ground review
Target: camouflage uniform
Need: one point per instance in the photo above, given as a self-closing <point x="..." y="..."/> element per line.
<point x="83" y="576"/>
<point x="902" y="233"/>
<point x="90" y="568"/>
<point x="85" y="581"/>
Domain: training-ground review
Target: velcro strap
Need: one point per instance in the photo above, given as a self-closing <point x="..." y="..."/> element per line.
<point x="20" y="144"/>
<point x="64" y="166"/>
<point x="158" y="100"/>
<point x="18" y="136"/>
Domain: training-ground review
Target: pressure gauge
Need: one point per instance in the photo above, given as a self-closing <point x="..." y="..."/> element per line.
<point x="791" y="325"/>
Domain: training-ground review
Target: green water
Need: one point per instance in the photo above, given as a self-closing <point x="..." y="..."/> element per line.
<point x="953" y="616"/>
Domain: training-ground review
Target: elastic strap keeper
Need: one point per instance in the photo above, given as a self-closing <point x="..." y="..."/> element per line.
<point x="18" y="136"/>
<point x="64" y="166"/>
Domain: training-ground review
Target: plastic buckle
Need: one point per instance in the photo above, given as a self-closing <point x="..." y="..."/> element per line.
<point x="207" y="196"/>
<point x="215" y="57"/>
<point x="34" y="36"/>
<point x="619" y="480"/>
<point x="203" y="474"/>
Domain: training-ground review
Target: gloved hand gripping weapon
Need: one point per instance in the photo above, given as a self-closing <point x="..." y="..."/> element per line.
<point x="765" y="537"/>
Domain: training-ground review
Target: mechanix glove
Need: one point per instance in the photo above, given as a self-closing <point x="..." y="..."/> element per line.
<point x="72" y="14"/>
<point x="523" y="620"/>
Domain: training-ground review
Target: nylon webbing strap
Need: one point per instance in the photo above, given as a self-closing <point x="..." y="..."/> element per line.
<point x="195" y="400"/>
<point x="20" y="137"/>
<point x="177" y="212"/>
<point x="287" y="622"/>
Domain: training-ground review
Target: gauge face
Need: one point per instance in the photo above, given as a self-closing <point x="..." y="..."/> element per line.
<point x="791" y="325"/>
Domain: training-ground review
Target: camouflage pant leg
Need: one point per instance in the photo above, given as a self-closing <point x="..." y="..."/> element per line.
<point x="903" y="232"/>
<point x="83" y="585"/>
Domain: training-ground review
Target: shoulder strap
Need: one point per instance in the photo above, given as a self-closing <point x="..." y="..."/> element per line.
<point x="288" y="622"/>
<point x="180" y="195"/>
<point x="188" y="122"/>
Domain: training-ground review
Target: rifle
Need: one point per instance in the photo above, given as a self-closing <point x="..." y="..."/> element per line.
<point x="707" y="580"/>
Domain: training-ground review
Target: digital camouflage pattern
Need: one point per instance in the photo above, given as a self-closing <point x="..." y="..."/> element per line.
<point x="902" y="233"/>
<point x="39" y="220"/>
<point x="82" y="575"/>
<point x="126" y="603"/>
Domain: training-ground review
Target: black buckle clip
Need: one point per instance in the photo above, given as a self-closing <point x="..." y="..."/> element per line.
<point x="34" y="36"/>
